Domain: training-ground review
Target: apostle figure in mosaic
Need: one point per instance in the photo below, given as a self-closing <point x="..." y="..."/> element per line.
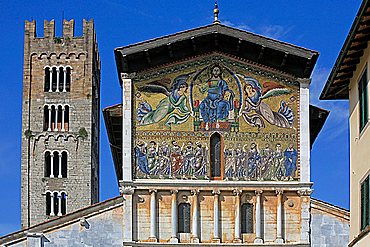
<point x="267" y="162"/>
<point x="278" y="163"/>
<point x="152" y="156"/>
<point x="219" y="100"/>
<point x="291" y="156"/>
<point x="141" y="157"/>
<point x="175" y="100"/>
<point x="177" y="159"/>
<point x="164" y="160"/>
<point x="229" y="162"/>
<point x="239" y="162"/>
<point x="254" y="162"/>
<point x="200" y="160"/>
<point x="186" y="169"/>
<point x="256" y="112"/>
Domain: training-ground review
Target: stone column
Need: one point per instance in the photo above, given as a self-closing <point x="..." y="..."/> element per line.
<point x="304" y="130"/>
<point x="52" y="204"/>
<point x="51" y="165"/>
<point x="56" y="118"/>
<point x="216" y="216"/>
<point x="279" y="218"/>
<point x="60" y="165"/>
<point x="153" y="216"/>
<point x="58" y="71"/>
<point x="64" y="80"/>
<point x="51" y="80"/>
<point x="258" y="239"/>
<point x="305" y="195"/>
<point x="174" y="216"/>
<point x="194" y="222"/>
<point x="63" y="117"/>
<point x="59" y="204"/>
<point x="237" y="233"/>
<point x="49" y="122"/>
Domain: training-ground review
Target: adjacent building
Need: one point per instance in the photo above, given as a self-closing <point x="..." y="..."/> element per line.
<point x="349" y="81"/>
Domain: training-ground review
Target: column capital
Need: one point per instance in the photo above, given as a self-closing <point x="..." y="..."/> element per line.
<point x="125" y="76"/>
<point x="194" y="192"/>
<point x="279" y="191"/>
<point x="258" y="192"/>
<point x="152" y="191"/>
<point x="127" y="190"/>
<point x="216" y="192"/>
<point x="304" y="192"/>
<point x="174" y="192"/>
<point x="237" y="192"/>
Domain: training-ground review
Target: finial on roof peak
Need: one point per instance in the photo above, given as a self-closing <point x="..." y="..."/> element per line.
<point x="215" y="13"/>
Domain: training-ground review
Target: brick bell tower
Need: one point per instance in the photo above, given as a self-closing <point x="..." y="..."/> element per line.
<point x="60" y="121"/>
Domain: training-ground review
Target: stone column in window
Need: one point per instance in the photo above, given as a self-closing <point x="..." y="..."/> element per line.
<point x="195" y="211"/>
<point x="174" y="216"/>
<point x="153" y="216"/>
<point x="51" y="165"/>
<point x="49" y="122"/>
<point x="59" y="204"/>
<point x="56" y="118"/>
<point x="216" y="216"/>
<point x="63" y="117"/>
<point x="60" y="165"/>
<point x="51" y="80"/>
<point x="52" y="204"/>
<point x="58" y="71"/>
<point x="237" y="238"/>
<point x="64" y="80"/>
<point x="279" y="218"/>
<point x="258" y="239"/>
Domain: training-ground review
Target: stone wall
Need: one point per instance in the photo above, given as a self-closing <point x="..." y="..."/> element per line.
<point x="81" y="55"/>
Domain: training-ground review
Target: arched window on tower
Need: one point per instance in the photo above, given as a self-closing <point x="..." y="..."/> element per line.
<point x="46" y="118"/>
<point x="68" y="79"/>
<point x="63" y="203"/>
<point x="55" y="165"/>
<point x="47" y="80"/>
<point x="54" y="77"/>
<point x="66" y="118"/>
<point x="216" y="153"/>
<point x="184" y="218"/>
<point x="247" y="217"/>
<point x="59" y="118"/>
<point x="47" y="167"/>
<point x="64" y="164"/>
<point x="61" y="79"/>
<point x="48" y="203"/>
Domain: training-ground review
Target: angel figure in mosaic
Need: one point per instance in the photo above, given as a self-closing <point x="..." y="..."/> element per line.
<point x="175" y="100"/>
<point x="256" y="112"/>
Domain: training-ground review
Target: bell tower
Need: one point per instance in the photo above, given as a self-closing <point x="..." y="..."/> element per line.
<point x="60" y="121"/>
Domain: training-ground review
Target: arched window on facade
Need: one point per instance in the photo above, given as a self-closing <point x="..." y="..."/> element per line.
<point x="216" y="152"/>
<point x="247" y="217"/>
<point x="184" y="218"/>
<point x="47" y="80"/>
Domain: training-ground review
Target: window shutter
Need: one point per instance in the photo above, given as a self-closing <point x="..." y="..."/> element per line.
<point x="247" y="218"/>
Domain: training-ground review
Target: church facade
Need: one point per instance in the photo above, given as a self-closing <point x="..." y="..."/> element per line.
<point x="211" y="147"/>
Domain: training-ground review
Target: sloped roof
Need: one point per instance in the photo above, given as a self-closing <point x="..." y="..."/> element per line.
<point x="356" y="42"/>
<point x="285" y="57"/>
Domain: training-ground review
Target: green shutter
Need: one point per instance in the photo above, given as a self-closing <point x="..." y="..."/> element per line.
<point x="365" y="205"/>
<point x="363" y="102"/>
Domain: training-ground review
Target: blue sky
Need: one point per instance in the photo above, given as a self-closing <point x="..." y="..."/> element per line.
<point x="315" y="24"/>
